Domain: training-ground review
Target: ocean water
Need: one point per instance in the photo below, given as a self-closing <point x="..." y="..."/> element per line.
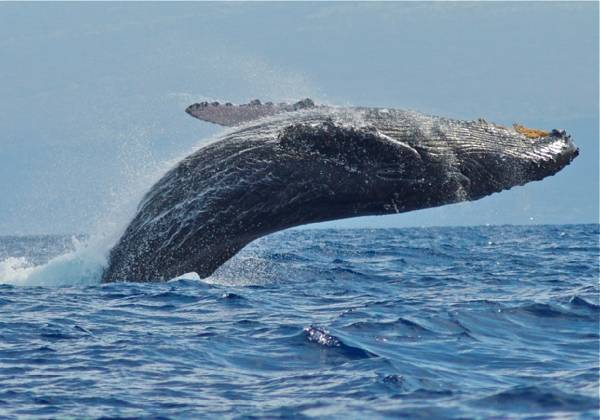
<point x="426" y="322"/>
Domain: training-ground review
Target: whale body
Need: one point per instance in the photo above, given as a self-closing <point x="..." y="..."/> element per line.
<point x="289" y="165"/>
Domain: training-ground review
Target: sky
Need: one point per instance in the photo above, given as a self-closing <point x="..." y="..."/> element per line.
<point x="93" y="95"/>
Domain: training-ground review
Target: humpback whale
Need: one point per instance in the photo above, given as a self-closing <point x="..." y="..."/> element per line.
<point x="284" y="165"/>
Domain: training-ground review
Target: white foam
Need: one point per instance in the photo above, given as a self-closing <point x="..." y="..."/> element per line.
<point x="82" y="266"/>
<point x="187" y="276"/>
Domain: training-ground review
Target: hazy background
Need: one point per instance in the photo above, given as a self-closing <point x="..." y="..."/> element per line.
<point x="92" y="95"/>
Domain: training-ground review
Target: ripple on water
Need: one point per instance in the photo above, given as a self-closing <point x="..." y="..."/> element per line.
<point x="496" y="321"/>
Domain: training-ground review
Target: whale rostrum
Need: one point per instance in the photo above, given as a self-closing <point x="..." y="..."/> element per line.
<point x="286" y="165"/>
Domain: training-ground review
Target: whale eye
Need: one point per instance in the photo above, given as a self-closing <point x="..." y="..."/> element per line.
<point x="392" y="173"/>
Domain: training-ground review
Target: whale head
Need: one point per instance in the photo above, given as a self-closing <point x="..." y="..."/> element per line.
<point x="495" y="158"/>
<point x="407" y="161"/>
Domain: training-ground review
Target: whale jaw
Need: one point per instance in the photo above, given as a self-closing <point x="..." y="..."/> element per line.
<point x="532" y="160"/>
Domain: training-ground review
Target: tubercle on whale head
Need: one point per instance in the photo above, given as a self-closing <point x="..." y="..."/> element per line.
<point x="570" y="151"/>
<point x="525" y="155"/>
<point x="554" y="151"/>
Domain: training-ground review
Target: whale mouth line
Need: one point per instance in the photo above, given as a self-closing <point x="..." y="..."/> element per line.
<point x="391" y="173"/>
<point x="391" y="176"/>
<point x="394" y="173"/>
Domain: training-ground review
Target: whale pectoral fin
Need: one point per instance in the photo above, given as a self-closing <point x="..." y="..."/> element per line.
<point x="230" y="115"/>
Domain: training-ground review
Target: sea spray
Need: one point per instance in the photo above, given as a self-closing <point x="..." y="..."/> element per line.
<point x="83" y="262"/>
<point x="82" y="266"/>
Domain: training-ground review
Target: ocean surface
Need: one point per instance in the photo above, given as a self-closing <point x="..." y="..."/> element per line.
<point x="425" y="322"/>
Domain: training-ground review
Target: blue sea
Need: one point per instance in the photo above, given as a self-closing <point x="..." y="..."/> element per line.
<point x="494" y="321"/>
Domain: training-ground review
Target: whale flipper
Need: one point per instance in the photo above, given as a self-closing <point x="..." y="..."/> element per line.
<point x="230" y="115"/>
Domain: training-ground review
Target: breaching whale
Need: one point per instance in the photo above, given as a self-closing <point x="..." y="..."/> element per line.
<point x="292" y="164"/>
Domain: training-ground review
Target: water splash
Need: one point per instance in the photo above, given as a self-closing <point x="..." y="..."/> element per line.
<point x="83" y="262"/>
<point x="82" y="266"/>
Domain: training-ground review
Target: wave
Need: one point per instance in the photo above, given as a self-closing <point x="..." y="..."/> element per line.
<point x="535" y="398"/>
<point x="328" y="341"/>
<point x="547" y="310"/>
<point x="81" y="266"/>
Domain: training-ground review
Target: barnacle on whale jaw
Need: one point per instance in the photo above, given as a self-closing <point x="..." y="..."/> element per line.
<point x="531" y="133"/>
